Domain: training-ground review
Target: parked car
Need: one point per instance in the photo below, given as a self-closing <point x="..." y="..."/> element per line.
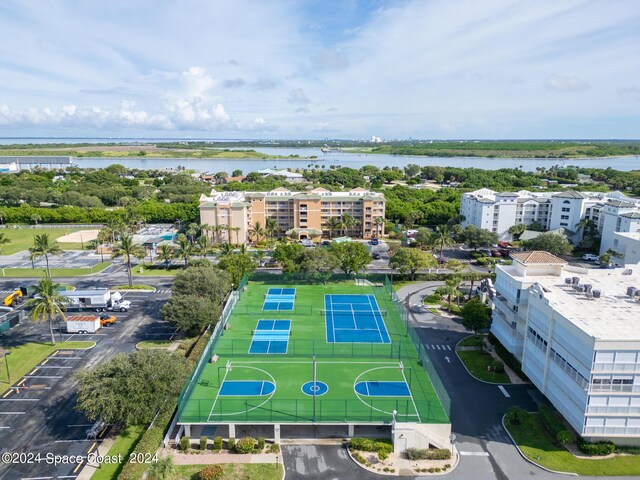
<point x="375" y="256"/>
<point x="325" y="243"/>
<point x="590" y="257"/>
<point x="495" y="253"/>
<point x="375" y="241"/>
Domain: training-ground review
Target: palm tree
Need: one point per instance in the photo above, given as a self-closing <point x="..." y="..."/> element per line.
<point x="442" y="238"/>
<point x="3" y="215"/>
<point x="3" y="240"/>
<point x="227" y="228"/>
<point x="346" y="223"/>
<point x="47" y="304"/>
<point x="517" y="230"/>
<point x="332" y="224"/>
<point x="217" y="231"/>
<point x="126" y="248"/>
<point x="185" y="249"/>
<point x="43" y="247"/>
<point x="379" y="223"/>
<point x="206" y="230"/>
<point x="204" y="246"/>
<point x="454" y="282"/>
<point x="166" y="254"/>
<point x="473" y="277"/>
<point x="237" y="232"/>
<point x="226" y="249"/>
<point x="257" y="231"/>
<point x="272" y="228"/>
<point x="192" y="231"/>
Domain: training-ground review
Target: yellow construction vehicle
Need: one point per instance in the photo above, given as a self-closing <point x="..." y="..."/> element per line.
<point x="13" y="299"/>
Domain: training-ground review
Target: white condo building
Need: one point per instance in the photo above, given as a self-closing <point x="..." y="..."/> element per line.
<point x="497" y="212"/>
<point x="577" y="334"/>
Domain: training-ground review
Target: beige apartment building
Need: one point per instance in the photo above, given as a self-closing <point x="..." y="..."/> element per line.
<point x="300" y="215"/>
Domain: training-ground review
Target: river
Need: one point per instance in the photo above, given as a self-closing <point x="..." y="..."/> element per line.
<point x="346" y="159"/>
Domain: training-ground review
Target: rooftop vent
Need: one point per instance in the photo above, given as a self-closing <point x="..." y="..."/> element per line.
<point x="628" y="271"/>
<point x="575" y="280"/>
<point x="568" y="281"/>
<point x="632" y="291"/>
<point x="587" y="288"/>
<point x="597" y="293"/>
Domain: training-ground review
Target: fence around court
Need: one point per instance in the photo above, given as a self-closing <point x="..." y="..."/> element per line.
<point x="426" y="362"/>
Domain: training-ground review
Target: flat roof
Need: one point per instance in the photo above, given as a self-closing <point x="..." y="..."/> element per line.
<point x="613" y="316"/>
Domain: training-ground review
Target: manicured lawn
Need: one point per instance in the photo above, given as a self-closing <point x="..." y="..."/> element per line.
<point x="472" y="341"/>
<point x="25" y="357"/>
<point x="55" y="272"/>
<point x="536" y="443"/>
<point x="22" y="238"/>
<point x="477" y="362"/>
<point x="153" y="344"/>
<point x="123" y="445"/>
<point x="134" y="287"/>
<point x="257" y="471"/>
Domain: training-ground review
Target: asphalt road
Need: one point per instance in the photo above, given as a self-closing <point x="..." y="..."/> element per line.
<point x="49" y="422"/>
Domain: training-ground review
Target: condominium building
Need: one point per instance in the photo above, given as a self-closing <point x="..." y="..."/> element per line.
<point x="611" y="212"/>
<point x="300" y="215"/>
<point x="577" y="334"/>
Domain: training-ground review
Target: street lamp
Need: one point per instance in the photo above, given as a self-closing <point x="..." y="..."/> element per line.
<point x="6" y="362"/>
<point x="81" y="243"/>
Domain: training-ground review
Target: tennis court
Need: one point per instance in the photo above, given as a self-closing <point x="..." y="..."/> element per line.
<point x="354" y="319"/>
<point x="283" y="368"/>
<point x="271" y="337"/>
<point x="279" y="299"/>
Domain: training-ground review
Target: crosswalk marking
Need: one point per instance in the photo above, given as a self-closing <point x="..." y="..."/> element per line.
<point x="437" y="347"/>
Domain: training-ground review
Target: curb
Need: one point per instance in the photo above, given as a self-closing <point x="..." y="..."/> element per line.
<point x="70" y="348"/>
<point x="151" y="348"/>
<point x="528" y="459"/>
<point x="364" y="467"/>
<point x="137" y="290"/>
<point x="472" y="375"/>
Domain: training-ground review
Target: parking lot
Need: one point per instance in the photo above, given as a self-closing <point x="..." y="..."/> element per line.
<point x="38" y="415"/>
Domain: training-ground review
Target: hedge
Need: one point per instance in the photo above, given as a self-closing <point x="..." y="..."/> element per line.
<point x="598" y="449"/>
<point x="550" y="420"/>
<point x="427" y="454"/>
<point x="382" y="447"/>
<point x="507" y="357"/>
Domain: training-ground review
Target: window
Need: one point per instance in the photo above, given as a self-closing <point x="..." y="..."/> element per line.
<point x="564" y="217"/>
<point x="566" y="209"/>
<point x="564" y="224"/>
<point x="537" y="339"/>
<point x="567" y="202"/>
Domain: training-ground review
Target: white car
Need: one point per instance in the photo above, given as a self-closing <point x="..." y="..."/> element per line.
<point x="589" y="257"/>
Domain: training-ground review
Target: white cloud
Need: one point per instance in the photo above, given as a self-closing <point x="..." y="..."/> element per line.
<point x="563" y="84"/>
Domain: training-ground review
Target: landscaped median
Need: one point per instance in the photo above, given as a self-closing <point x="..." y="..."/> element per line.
<point x="55" y="272"/>
<point x="25" y="357"/>
<point x="536" y="443"/>
<point x="479" y="362"/>
<point x="138" y="287"/>
<point x="153" y="344"/>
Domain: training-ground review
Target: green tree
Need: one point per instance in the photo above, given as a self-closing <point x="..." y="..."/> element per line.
<point x="163" y="469"/>
<point x="332" y="225"/>
<point x="517" y="416"/>
<point x="605" y="259"/>
<point x="410" y="260"/>
<point x="517" y="230"/>
<point x="3" y="215"/>
<point x="257" y="231"/>
<point x="3" y="240"/>
<point x="47" y="304"/>
<point x="351" y="256"/>
<point x="347" y="223"/>
<point x="127" y="249"/>
<point x="287" y="255"/>
<point x="554" y="243"/>
<point x="36" y="218"/>
<point x="425" y="238"/>
<point x="44" y="247"/>
<point x="185" y="249"/>
<point x="166" y="254"/>
<point x="442" y="239"/>
<point x="226" y="249"/>
<point x="130" y="388"/>
<point x="318" y="263"/>
<point x="379" y="224"/>
<point x="192" y="231"/>
<point x="475" y="315"/>
<point x="206" y="282"/>
<point x="190" y="313"/>
<point x="271" y="227"/>
<point x="237" y="265"/>
<point x="476" y="238"/>
<point x="203" y="245"/>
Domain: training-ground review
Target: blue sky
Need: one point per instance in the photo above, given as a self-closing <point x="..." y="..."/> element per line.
<point x="315" y="69"/>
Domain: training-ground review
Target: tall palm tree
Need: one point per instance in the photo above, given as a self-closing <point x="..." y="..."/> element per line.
<point x="192" y="231"/>
<point x="204" y="246"/>
<point x="47" y="304"/>
<point x="43" y="247"/>
<point x="127" y="249"/>
<point x="347" y="222"/>
<point x="166" y="254"/>
<point x="442" y="238"/>
<point x="379" y="223"/>
<point x="226" y="249"/>
<point x="256" y="231"/>
<point x="217" y="231"/>
<point x="206" y="230"/>
<point x="332" y="224"/>
<point x="272" y="228"/>
<point x="237" y="232"/>
<point x="227" y="228"/>
<point x="185" y="249"/>
<point x="3" y="240"/>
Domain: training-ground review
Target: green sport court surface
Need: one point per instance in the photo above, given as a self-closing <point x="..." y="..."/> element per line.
<point x="357" y="382"/>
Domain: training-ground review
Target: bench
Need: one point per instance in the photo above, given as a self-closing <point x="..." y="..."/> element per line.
<point x="214" y="358"/>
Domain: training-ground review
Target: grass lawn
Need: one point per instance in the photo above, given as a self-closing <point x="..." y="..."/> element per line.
<point x="536" y="443"/>
<point x="55" y="272"/>
<point x="123" y="445"/>
<point x="25" y="357"/>
<point x="477" y="362"/>
<point x="472" y="341"/>
<point x="22" y="238"/>
<point x="261" y="471"/>
<point x="134" y="287"/>
<point x="153" y="344"/>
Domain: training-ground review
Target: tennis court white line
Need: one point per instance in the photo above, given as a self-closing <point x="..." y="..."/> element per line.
<point x="375" y="317"/>
<point x="384" y="325"/>
<point x="215" y="400"/>
<point x="411" y="395"/>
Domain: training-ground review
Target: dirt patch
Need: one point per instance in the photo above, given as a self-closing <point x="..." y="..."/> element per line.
<point x="77" y="237"/>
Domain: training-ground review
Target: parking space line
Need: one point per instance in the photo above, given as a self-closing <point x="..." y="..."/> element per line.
<point x="504" y="391"/>
<point x="7" y="394"/>
<point x="55" y="366"/>
<point x="77" y="468"/>
<point x="42" y="376"/>
<point x="21" y="382"/>
<point x="34" y="371"/>
<point x="45" y="362"/>
<point x="19" y="399"/>
<point x="12" y="413"/>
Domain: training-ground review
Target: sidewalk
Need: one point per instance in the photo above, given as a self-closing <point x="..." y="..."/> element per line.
<point x="102" y="449"/>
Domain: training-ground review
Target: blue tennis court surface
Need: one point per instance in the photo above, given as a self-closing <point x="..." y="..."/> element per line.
<point x="245" y="388"/>
<point x="383" y="389"/>
<point x="271" y="337"/>
<point x="354" y="319"/>
<point x="279" y="299"/>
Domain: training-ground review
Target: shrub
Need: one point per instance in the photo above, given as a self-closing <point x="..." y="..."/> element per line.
<point x="217" y="443"/>
<point x="432" y="299"/>
<point x="507" y="357"/>
<point x="498" y="366"/>
<point x="628" y="450"/>
<point x="274" y="448"/>
<point x="245" y="445"/>
<point x="438" y="469"/>
<point x="563" y="436"/>
<point x="476" y="255"/>
<point x="185" y="443"/>
<point x="211" y="472"/>
<point x="359" y="458"/>
<point x="203" y="442"/>
<point x="385" y="469"/>
<point x="447" y="466"/>
<point x="482" y="261"/>
<point x="517" y="416"/>
<point x="598" y="448"/>
<point x="426" y="454"/>
<point x="432" y="470"/>
<point x="231" y="444"/>
<point x="261" y="443"/>
<point x="364" y="444"/>
<point x="383" y="455"/>
<point x="550" y="420"/>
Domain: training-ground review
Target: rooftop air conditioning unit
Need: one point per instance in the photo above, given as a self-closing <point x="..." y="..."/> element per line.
<point x="568" y="281"/>
<point x="580" y="288"/>
<point x="597" y="293"/>
<point x="587" y="288"/>
<point x="575" y="280"/>
<point x="628" y="271"/>
<point x="632" y="291"/>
